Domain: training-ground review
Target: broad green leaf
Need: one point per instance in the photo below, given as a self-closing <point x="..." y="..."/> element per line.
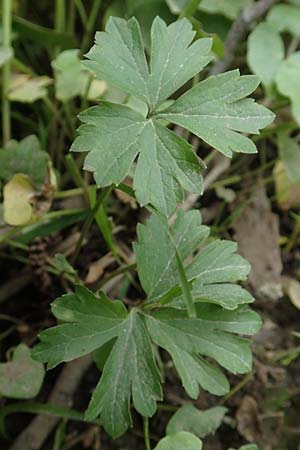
<point x="179" y="441"/>
<point x="166" y="163"/>
<point x="289" y="152"/>
<point x="27" y="89"/>
<point x="91" y="322"/>
<point x="129" y="371"/>
<point x="72" y="79"/>
<point x="25" y="157"/>
<point x="22" y="377"/>
<point x="211" y="272"/>
<point x="265" y="52"/>
<point x="288" y="82"/>
<point x="6" y="53"/>
<point x="201" y="423"/>
<point x="187" y="340"/>
<point x="285" y="18"/>
<point x="215" y="110"/>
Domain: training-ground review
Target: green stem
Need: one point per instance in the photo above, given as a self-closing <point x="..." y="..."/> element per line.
<point x="59" y="19"/>
<point x="90" y="23"/>
<point x="190" y="9"/>
<point x="236" y="388"/>
<point x="146" y="433"/>
<point x="70" y="118"/>
<point x="60" y="15"/>
<point x="81" y="12"/>
<point x="88" y="222"/>
<point x="6" y="25"/>
<point x="186" y="290"/>
<point x="76" y="176"/>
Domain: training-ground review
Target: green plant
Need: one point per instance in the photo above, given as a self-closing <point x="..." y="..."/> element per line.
<point x="193" y="308"/>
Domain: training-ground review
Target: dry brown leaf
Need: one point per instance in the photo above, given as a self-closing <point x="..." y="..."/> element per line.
<point x="247" y="419"/>
<point x="96" y="268"/>
<point x="287" y="193"/>
<point x="257" y="234"/>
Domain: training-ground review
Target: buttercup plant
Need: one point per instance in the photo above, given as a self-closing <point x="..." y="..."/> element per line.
<point x="193" y="307"/>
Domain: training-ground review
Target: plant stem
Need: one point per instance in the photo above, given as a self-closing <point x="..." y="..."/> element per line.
<point x="76" y="176"/>
<point x="186" y="291"/>
<point x="81" y="12"/>
<point x="236" y="388"/>
<point x="88" y="222"/>
<point x="60" y="18"/>
<point x="90" y="23"/>
<point x="190" y="9"/>
<point x="115" y="273"/>
<point x="146" y="433"/>
<point x="6" y="25"/>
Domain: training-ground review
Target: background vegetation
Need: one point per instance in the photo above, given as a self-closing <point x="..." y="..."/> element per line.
<point x="52" y="235"/>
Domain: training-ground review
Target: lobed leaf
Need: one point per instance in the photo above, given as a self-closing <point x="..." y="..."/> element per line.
<point x="215" y="110"/>
<point x="129" y="371"/>
<point x="211" y="272"/>
<point x="91" y="322"/>
<point x="187" y="340"/>
<point x="201" y="423"/>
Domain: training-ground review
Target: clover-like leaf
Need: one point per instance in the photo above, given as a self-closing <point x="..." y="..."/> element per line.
<point x="214" y="110"/>
<point x="212" y="271"/>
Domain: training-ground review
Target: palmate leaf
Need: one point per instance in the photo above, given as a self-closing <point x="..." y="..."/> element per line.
<point x="115" y="136"/>
<point x="212" y="272"/>
<point x="216" y="110"/>
<point x="130" y="373"/>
